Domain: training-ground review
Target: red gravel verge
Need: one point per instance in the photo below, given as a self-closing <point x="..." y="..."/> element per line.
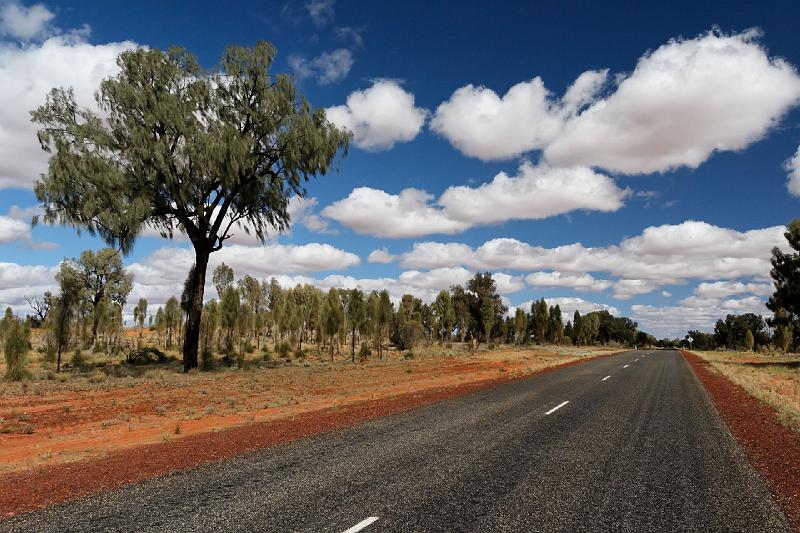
<point x="25" y="491"/>
<point x="773" y="449"/>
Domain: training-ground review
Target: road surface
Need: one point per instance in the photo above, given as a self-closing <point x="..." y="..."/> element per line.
<point x="624" y="443"/>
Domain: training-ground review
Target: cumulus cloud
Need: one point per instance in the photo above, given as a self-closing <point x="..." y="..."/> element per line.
<point x="380" y="256"/>
<point x="408" y="214"/>
<point x="793" y="168"/>
<point x="684" y="101"/>
<point x="660" y="255"/>
<point x="693" y="313"/>
<point x="25" y="23"/>
<point x="724" y="289"/>
<point x="625" y="289"/>
<point x="28" y="73"/>
<point x="380" y="116"/>
<point x="12" y="230"/>
<point x="555" y="279"/>
<point x="536" y="192"/>
<point x="326" y="68"/>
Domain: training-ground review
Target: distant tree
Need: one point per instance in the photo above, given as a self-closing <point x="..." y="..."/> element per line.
<point x="100" y="275"/>
<point x="555" y="325"/>
<point x="749" y="341"/>
<point x="172" y="316"/>
<point x="333" y="317"/>
<point x="577" y="328"/>
<point x="184" y="149"/>
<point x="461" y="309"/>
<point x="356" y="310"/>
<point x="488" y="315"/>
<point x="222" y="278"/>
<point x="228" y="315"/>
<point x="520" y="325"/>
<point x="140" y="313"/>
<point x="444" y="315"/>
<point x="40" y="306"/>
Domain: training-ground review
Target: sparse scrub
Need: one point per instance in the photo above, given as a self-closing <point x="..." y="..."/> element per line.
<point x="15" y="347"/>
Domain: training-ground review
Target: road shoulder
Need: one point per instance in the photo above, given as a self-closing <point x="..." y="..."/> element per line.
<point x="773" y="449"/>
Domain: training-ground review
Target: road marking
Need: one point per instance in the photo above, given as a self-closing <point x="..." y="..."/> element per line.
<point x="626" y="366"/>
<point x="361" y="525"/>
<point x="605" y="378"/>
<point x="557" y="407"/>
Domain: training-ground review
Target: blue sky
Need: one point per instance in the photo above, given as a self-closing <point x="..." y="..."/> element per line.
<point x="703" y="164"/>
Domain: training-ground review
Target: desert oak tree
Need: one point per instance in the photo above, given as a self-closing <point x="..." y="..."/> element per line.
<point x="183" y="149"/>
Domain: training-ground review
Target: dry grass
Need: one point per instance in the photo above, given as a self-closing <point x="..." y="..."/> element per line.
<point x="85" y="416"/>
<point x="773" y="379"/>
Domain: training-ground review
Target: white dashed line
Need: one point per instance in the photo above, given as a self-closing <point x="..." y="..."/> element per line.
<point x="626" y="366"/>
<point x="361" y="525"/>
<point x="557" y="407"/>
<point x="605" y="378"/>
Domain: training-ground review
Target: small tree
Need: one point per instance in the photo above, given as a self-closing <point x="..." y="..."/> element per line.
<point x="356" y="310"/>
<point x="140" y="313"/>
<point x="15" y="346"/>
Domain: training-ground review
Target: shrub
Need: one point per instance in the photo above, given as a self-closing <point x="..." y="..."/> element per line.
<point x="364" y="351"/>
<point x="284" y="349"/>
<point x="409" y="354"/>
<point x="16" y="347"/>
<point x="77" y="357"/>
<point x="207" y="359"/>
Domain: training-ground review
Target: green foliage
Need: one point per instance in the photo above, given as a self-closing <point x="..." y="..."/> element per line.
<point x="284" y="349"/>
<point x="183" y="149"/>
<point x="16" y="343"/>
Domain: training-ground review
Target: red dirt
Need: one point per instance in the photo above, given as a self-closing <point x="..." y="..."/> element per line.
<point x="772" y="448"/>
<point x="42" y="486"/>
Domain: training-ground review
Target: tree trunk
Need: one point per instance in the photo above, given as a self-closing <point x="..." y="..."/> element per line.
<point x="353" y="342"/>
<point x="191" y="339"/>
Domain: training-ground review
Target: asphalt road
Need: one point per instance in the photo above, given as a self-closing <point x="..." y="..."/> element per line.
<point x="640" y="450"/>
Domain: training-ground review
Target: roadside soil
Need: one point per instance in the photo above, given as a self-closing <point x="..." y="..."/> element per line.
<point x="772" y="448"/>
<point x="59" y="441"/>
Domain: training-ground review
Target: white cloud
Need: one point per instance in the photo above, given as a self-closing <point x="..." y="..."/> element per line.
<point x="666" y="294"/>
<point x="12" y="230"/>
<point x="380" y="116"/>
<point x="482" y="124"/>
<point x="321" y="11"/>
<point x="326" y="68"/>
<point x="25" y="23"/>
<point x="579" y="282"/>
<point x="693" y="313"/>
<point x="661" y="255"/>
<point x="793" y="168"/>
<point x="624" y="289"/>
<point x="28" y="73"/>
<point x="684" y="101"/>
<point x="724" y="289"/>
<point x="380" y="256"/>
<point x="408" y="214"/>
<point x="537" y="192"/>
<point x="508" y="284"/>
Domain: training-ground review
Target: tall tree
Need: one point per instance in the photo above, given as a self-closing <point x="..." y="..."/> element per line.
<point x="184" y="149"/>
<point x="785" y="302"/>
<point x="444" y="315"/>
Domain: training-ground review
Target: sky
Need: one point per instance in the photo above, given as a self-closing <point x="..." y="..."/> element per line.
<point x="637" y="158"/>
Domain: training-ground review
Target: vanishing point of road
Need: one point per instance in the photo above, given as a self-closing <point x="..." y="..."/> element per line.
<point x="623" y="443"/>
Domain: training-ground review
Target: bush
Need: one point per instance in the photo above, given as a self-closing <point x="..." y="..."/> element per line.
<point x="364" y="351"/>
<point x="77" y="357"/>
<point x="284" y="349"/>
<point x="409" y="354"/>
<point x="16" y="347"/>
<point x="207" y="359"/>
